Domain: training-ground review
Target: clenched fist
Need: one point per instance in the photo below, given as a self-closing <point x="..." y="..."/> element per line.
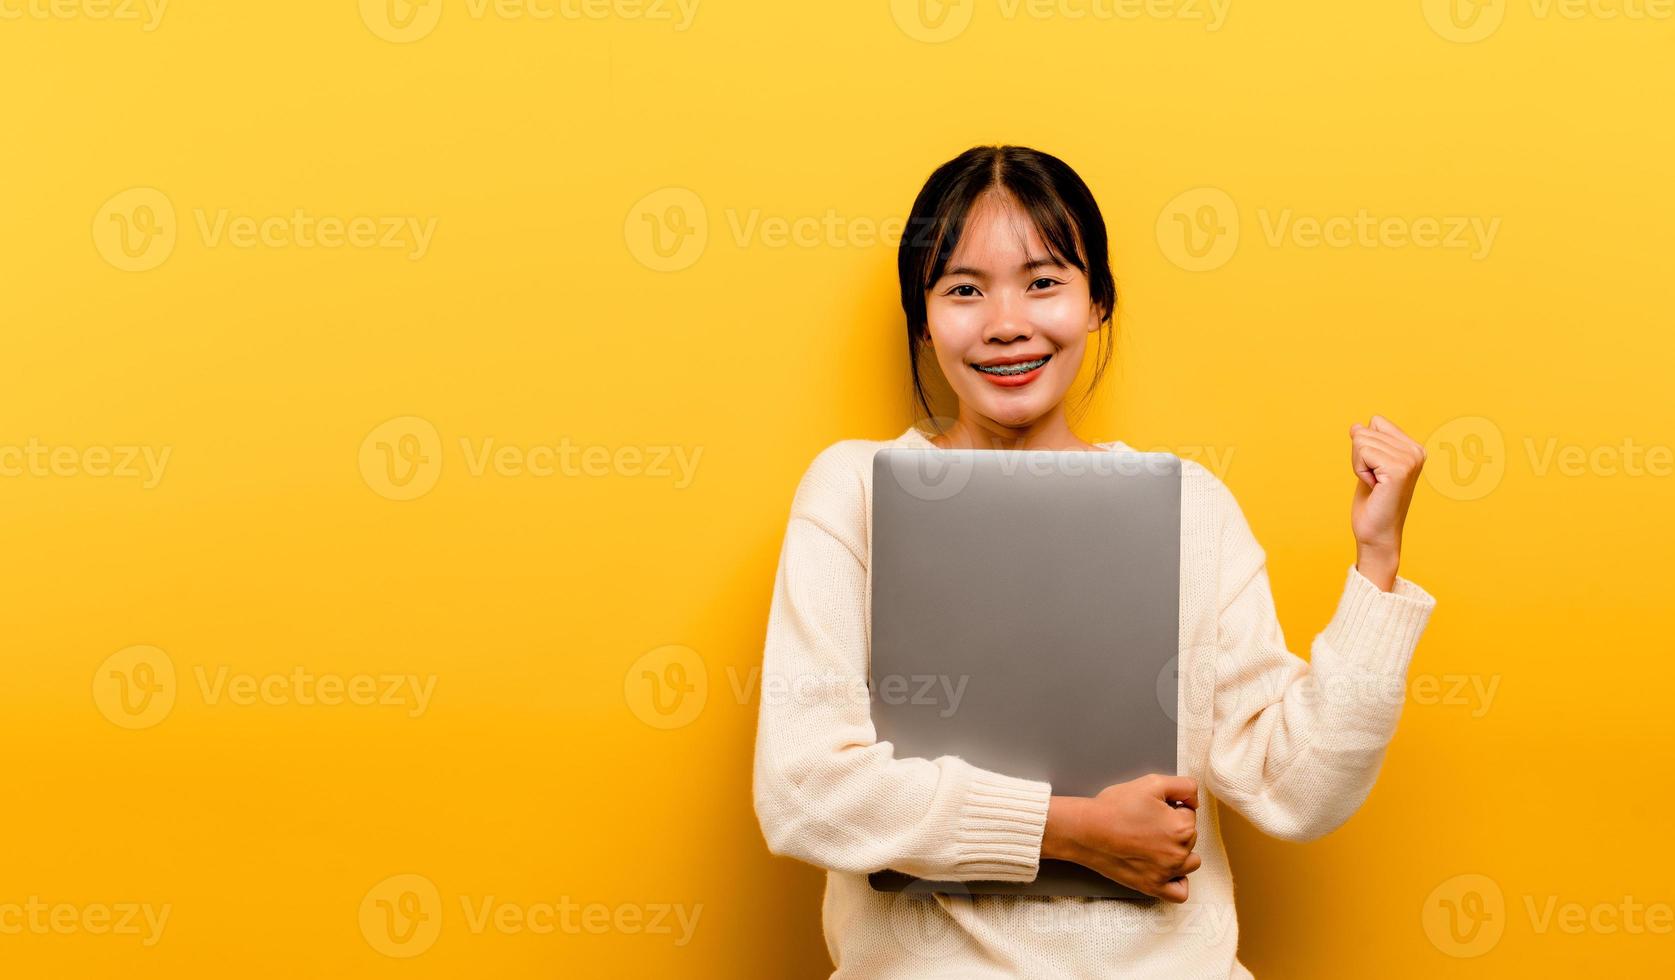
<point x="1387" y="465"/>
<point x="1140" y="833"/>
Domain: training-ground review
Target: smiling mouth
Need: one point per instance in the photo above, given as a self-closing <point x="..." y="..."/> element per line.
<point x="1022" y="367"/>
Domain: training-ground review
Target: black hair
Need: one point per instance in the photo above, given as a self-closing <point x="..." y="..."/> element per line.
<point x="1058" y="204"/>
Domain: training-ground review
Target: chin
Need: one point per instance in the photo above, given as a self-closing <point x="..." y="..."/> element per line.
<point x="1015" y="415"/>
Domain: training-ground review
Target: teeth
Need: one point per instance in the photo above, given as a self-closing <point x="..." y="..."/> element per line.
<point x="1019" y="368"/>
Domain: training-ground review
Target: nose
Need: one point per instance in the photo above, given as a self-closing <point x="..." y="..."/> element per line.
<point x="1009" y="322"/>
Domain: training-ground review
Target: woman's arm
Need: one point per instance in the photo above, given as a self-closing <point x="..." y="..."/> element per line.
<point x="826" y="791"/>
<point x="1296" y="745"/>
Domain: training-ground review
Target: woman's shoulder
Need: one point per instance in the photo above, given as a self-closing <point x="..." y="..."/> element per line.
<point x="856" y="455"/>
<point x="1208" y="506"/>
<point x="1201" y="483"/>
<point x="838" y="481"/>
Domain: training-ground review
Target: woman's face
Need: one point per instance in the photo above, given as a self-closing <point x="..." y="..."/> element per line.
<point x="1009" y="325"/>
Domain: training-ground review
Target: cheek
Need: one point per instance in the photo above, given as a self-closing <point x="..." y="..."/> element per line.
<point x="1065" y="318"/>
<point x="954" y="323"/>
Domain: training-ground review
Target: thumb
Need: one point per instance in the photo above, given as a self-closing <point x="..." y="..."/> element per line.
<point x="1358" y="460"/>
<point x="1183" y="789"/>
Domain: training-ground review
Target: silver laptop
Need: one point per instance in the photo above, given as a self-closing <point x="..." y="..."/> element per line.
<point x="1025" y="617"/>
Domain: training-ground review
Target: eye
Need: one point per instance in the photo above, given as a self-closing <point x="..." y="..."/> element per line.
<point x="1050" y="282"/>
<point x="964" y="285"/>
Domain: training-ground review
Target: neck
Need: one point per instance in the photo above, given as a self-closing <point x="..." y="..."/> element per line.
<point x="973" y="431"/>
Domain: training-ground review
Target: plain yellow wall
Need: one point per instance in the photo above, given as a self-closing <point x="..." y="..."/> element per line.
<point x="648" y="240"/>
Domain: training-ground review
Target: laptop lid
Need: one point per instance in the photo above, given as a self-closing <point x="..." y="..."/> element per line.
<point x="1025" y="617"/>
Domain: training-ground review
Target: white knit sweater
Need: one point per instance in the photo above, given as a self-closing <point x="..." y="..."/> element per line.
<point x="1292" y="745"/>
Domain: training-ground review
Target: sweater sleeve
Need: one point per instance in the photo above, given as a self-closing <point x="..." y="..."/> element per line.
<point x="826" y="790"/>
<point x="1296" y="746"/>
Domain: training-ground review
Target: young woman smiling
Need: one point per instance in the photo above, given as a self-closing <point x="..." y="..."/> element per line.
<point x="1004" y="277"/>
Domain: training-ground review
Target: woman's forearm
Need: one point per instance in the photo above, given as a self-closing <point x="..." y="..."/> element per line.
<point x="1064" y="825"/>
<point x="1378" y="565"/>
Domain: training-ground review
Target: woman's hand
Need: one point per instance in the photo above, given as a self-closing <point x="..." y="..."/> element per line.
<point x="1387" y="465"/>
<point x="1130" y="833"/>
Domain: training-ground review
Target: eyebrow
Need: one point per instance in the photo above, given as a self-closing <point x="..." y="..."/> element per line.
<point x="966" y="270"/>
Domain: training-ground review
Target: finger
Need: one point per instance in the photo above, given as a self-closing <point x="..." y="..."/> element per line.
<point x="1387" y="445"/>
<point x="1179" y="789"/>
<point x="1172" y="891"/>
<point x="1372" y="452"/>
<point x="1384" y="425"/>
<point x="1358" y="458"/>
<point x="1381" y="452"/>
<point x="1394" y="440"/>
<point x="1192" y="863"/>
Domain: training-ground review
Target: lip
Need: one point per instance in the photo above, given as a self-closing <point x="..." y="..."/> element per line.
<point x="1003" y="361"/>
<point x="1012" y="380"/>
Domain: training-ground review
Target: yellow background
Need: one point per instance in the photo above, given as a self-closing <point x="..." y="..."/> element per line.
<point x="538" y="772"/>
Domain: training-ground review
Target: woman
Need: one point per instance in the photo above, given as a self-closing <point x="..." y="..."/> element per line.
<point x="1004" y="275"/>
